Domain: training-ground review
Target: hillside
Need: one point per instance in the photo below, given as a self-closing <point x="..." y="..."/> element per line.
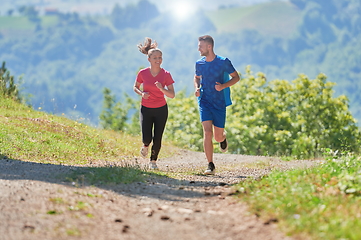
<point x="30" y="135"/>
<point x="277" y="19"/>
<point x="67" y="60"/>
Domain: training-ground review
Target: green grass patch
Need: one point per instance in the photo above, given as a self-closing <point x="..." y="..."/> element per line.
<point x="323" y="202"/>
<point x="53" y="212"/>
<point x="16" y="22"/>
<point x="35" y="136"/>
<point x="107" y="175"/>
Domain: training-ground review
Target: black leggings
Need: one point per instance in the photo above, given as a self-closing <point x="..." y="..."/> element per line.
<point x="156" y="117"/>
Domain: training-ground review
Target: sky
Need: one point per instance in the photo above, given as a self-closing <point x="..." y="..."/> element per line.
<point x="183" y="8"/>
<point x="180" y="7"/>
<point x="164" y="5"/>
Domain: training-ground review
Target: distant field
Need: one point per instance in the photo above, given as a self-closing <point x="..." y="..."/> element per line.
<point x="15" y="23"/>
<point x="18" y="25"/>
<point x="274" y="18"/>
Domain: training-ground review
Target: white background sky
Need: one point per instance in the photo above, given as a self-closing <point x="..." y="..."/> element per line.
<point x="105" y="7"/>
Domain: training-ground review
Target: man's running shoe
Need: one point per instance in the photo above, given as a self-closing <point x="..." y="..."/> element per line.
<point x="153" y="165"/>
<point x="211" y="169"/>
<point x="224" y="145"/>
<point x="144" y="151"/>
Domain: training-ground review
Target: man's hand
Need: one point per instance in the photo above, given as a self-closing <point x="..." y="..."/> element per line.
<point x="218" y="86"/>
<point x="197" y="92"/>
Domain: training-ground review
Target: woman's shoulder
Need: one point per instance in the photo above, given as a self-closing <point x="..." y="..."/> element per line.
<point x="164" y="71"/>
<point x="166" y="74"/>
<point x="144" y="70"/>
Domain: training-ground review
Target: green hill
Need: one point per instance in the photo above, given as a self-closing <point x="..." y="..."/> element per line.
<point x="30" y="135"/>
<point x="273" y="18"/>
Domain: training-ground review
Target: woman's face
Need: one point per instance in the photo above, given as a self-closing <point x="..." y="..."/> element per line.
<point x="155" y="58"/>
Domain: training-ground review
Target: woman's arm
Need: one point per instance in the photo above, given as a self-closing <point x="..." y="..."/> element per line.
<point x="168" y="90"/>
<point x="137" y="90"/>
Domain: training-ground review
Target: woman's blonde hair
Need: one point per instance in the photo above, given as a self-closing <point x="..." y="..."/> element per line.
<point x="148" y="47"/>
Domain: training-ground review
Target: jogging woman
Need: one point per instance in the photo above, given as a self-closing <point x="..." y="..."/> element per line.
<point x="153" y="83"/>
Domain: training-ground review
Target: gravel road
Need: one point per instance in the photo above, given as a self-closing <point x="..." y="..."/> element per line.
<point x="37" y="203"/>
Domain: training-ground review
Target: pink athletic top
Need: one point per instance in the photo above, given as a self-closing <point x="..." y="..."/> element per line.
<point x="156" y="98"/>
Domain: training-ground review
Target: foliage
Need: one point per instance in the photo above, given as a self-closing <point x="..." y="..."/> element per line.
<point x="183" y="125"/>
<point x="8" y="88"/>
<point x="299" y="118"/>
<point x="322" y="202"/>
<point x="129" y="15"/>
<point x="30" y="12"/>
<point x="114" y="115"/>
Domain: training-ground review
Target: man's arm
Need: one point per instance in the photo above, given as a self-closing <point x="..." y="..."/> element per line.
<point x="235" y="78"/>
<point x="197" y="85"/>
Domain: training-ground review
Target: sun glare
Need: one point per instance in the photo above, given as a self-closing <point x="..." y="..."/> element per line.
<point x="182" y="10"/>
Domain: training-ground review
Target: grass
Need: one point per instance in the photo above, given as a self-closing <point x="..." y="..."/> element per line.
<point x="35" y="136"/>
<point x="108" y="175"/>
<point x="323" y="202"/>
<point x="274" y="18"/>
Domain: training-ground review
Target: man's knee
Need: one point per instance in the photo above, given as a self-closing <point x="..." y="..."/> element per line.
<point x="219" y="136"/>
<point x="208" y="133"/>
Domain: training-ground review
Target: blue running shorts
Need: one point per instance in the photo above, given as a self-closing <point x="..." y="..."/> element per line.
<point x="217" y="116"/>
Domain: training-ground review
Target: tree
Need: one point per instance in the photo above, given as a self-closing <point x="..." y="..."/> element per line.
<point x="31" y="13"/>
<point x="115" y="115"/>
<point x="8" y="88"/>
<point x="132" y="16"/>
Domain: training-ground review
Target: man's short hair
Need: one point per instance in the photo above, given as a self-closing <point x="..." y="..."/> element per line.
<point x="207" y="39"/>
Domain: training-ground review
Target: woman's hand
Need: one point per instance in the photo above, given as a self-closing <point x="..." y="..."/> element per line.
<point x="145" y="95"/>
<point x="159" y="85"/>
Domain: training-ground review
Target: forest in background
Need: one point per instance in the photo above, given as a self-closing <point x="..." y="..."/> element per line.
<point x="67" y="59"/>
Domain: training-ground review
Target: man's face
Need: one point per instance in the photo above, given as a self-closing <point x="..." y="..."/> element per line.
<point x="203" y="48"/>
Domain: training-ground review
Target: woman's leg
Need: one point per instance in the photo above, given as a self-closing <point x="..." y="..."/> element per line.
<point x="146" y="123"/>
<point x="160" y="119"/>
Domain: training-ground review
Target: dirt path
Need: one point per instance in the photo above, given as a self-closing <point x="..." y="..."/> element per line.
<point x="36" y="204"/>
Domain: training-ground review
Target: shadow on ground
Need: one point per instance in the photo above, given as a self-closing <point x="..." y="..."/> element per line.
<point x="155" y="185"/>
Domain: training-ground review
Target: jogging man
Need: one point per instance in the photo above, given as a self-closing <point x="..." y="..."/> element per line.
<point x="212" y="81"/>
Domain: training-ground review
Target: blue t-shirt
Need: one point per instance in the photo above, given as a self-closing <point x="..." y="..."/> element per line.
<point x="211" y="72"/>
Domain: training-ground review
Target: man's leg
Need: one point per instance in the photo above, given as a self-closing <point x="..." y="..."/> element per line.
<point x="207" y="140"/>
<point x="219" y="134"/>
